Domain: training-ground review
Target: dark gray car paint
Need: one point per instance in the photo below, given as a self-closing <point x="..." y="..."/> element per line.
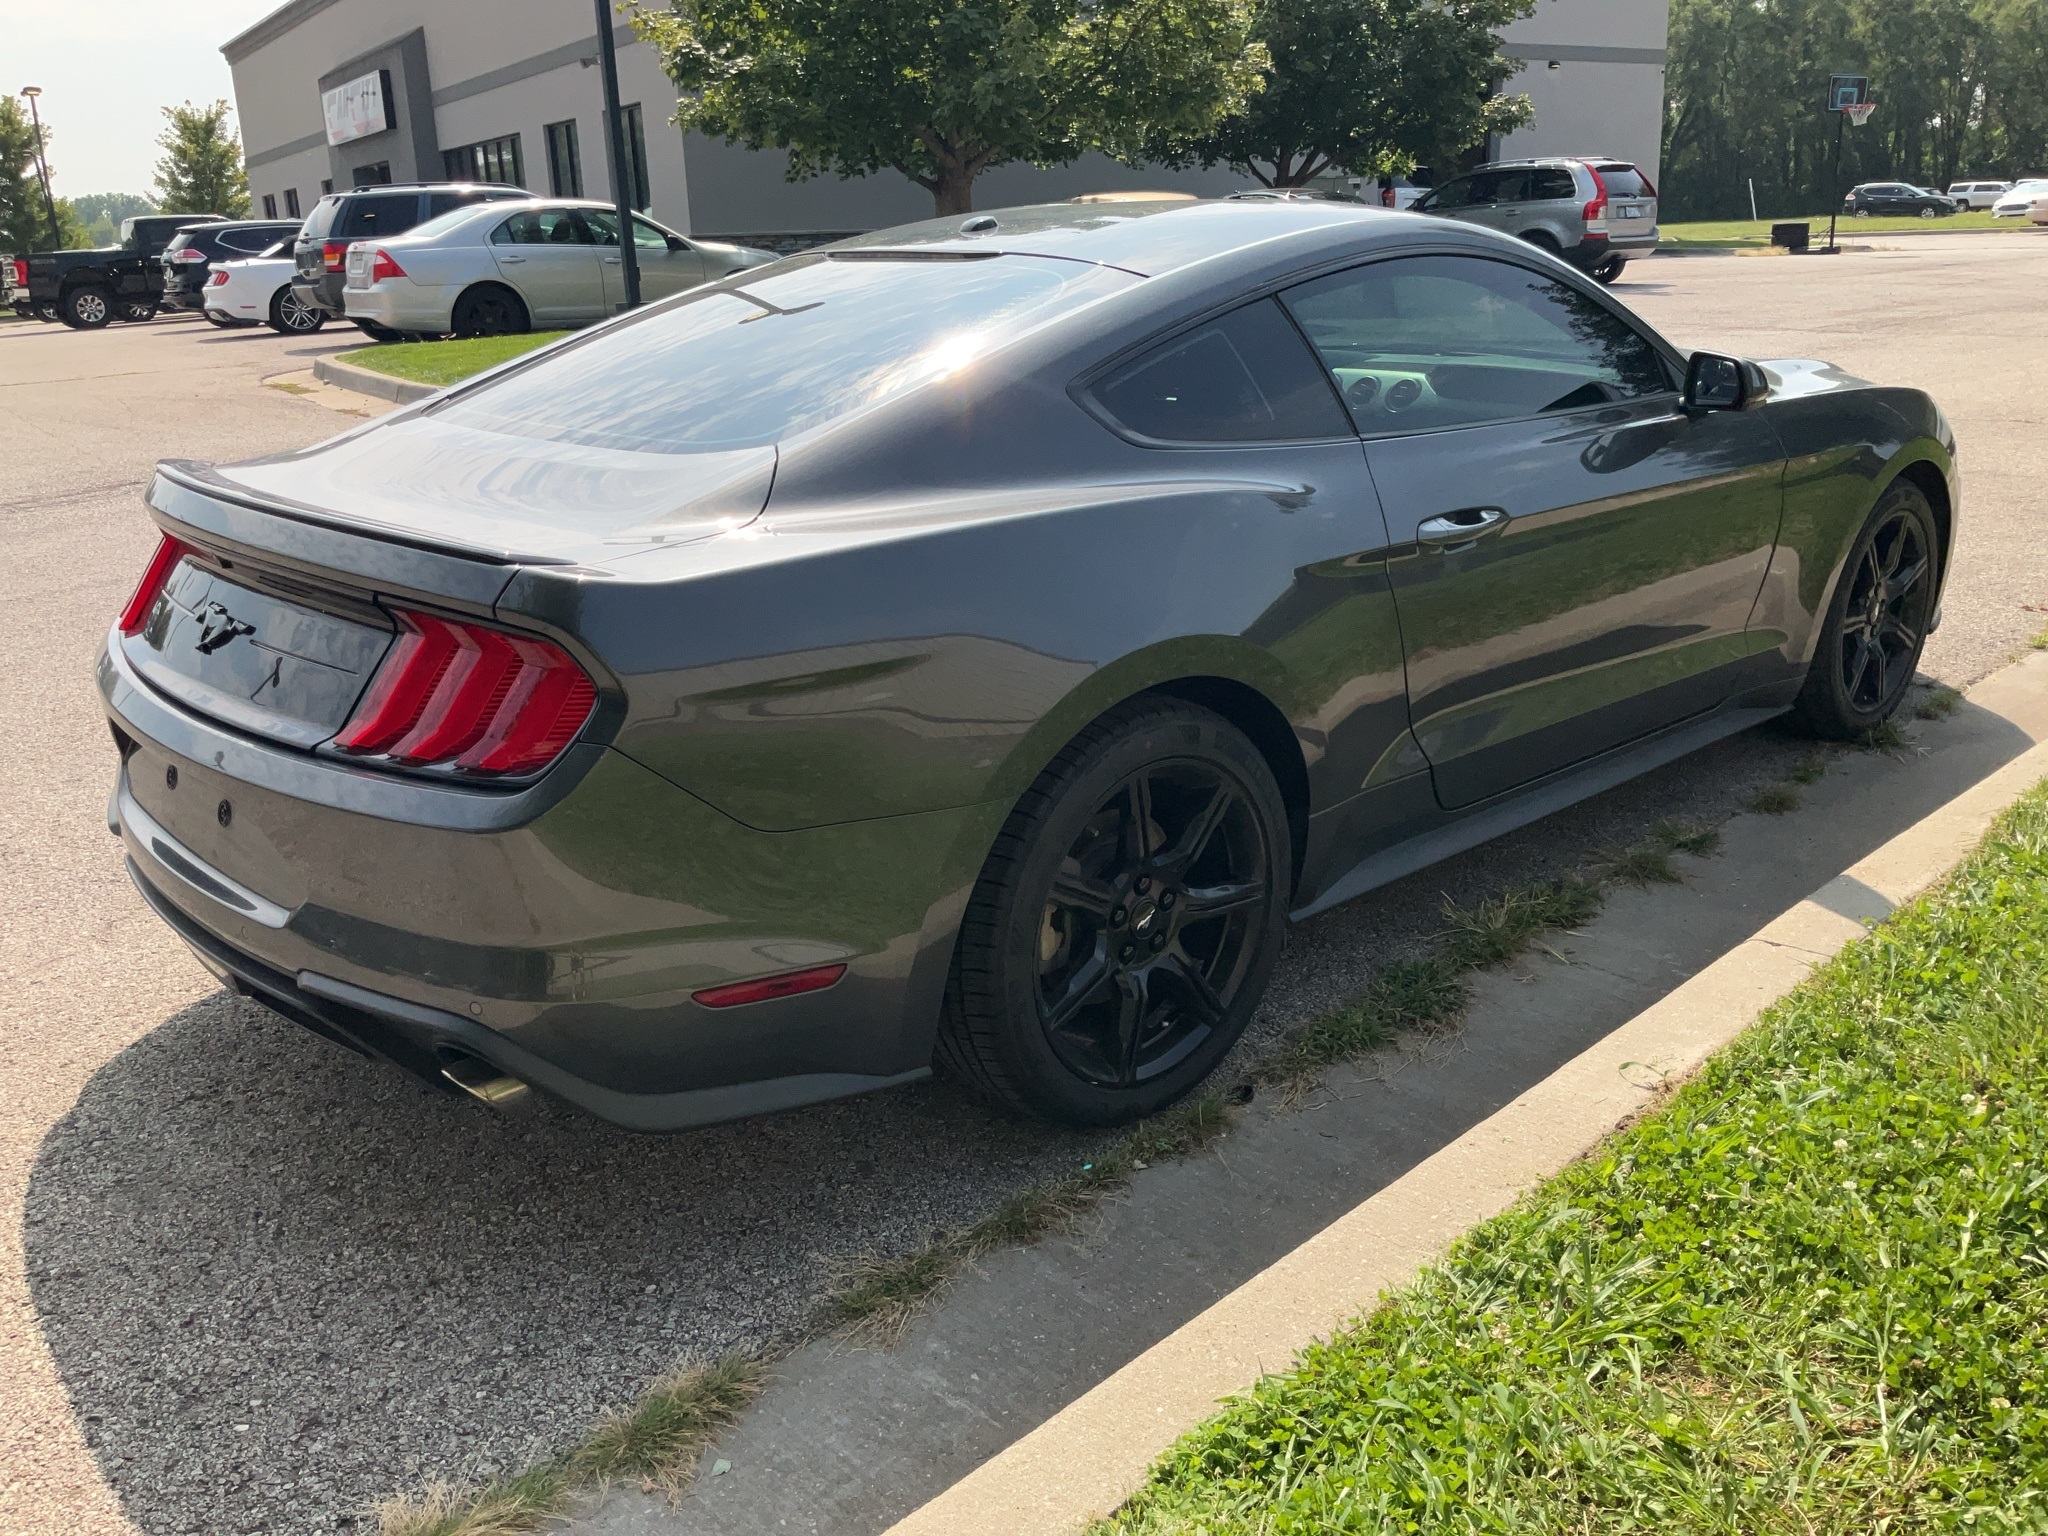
<point x="810" y="731"/>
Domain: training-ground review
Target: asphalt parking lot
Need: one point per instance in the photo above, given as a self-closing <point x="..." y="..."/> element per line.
<point x="248" y="1283"/>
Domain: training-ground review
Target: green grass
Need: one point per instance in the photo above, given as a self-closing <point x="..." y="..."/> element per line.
<point x="1746" y="232"/>
<point x="445" y="362"/>
<point x="1774" y="800"/>
<point x="1810" y="1295"/>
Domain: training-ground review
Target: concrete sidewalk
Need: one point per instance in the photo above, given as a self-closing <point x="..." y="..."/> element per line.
<point x="849" y="1441"/>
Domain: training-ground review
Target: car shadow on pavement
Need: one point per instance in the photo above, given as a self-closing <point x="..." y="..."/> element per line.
<point x="281" y="1282"/>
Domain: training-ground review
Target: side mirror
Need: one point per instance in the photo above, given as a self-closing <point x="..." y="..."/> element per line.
<point x="1717" y="383"/>
<point x="677" y="243"/>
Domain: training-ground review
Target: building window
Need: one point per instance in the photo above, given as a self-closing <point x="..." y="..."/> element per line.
<point x="378" y="175"/>
<point x="269" y="206"/>
<point x="326" y="187"/>
<point x="493" y="160"/>
<point x="291" y="203"/>
<point x="636" y="158"/>
<point x="565" y="165"/>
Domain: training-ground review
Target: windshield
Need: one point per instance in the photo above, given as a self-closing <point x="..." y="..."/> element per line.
<point x="801" y="343"/>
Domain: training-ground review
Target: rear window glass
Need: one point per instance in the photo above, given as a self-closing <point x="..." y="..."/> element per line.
<point x="1247" y="377"/>
<point x="792" y="347"/>
<point x="1626" y="181"/>
<point x="247" y="241"/>
<point x="389" y="214"/>
<point x="321" y="219"/>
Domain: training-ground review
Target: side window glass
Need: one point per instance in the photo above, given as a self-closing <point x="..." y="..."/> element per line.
<point x="368" y="217"/>
<point x="1242" y="378"/>
<point x="603" y="224"/>
<point x="646" y="236"/>
<point x="547" y="226"/>
<point x="1554" y="184"/>
<point x="1427" y="342"/>
<point x="1511" y="187"/>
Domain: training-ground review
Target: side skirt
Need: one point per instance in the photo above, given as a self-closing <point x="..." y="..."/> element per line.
<point x="1489" y="819"/>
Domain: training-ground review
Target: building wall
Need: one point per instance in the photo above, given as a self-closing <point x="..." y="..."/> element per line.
<point x="1606" y="94"/>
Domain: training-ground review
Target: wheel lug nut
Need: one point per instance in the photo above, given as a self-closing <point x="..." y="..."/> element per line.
<point x="1144" y="885"/>
<point x="1117" y="916"/>
<point x="1127" y="952"/>
<point x="1166" y="899"/>
<point x="1158" y="941"/>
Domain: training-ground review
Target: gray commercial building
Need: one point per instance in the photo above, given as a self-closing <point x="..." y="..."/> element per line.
<point x="337" y="93"/>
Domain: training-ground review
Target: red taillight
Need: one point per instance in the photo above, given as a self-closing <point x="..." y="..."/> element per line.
<point x="187" y="256"/>
<point x="218" y="280"/>
<point x="154" y="575"/>
<point x="471" y="698"/>
<point x="20" y="273"/>
<point x="816" y="979"/>
<point x="384" y="267"/>
<point x="1596" y="210"/>
<point x="334" y="255"/>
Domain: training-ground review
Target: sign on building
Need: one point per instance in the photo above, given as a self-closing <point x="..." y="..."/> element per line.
<point x="358" y="108"/>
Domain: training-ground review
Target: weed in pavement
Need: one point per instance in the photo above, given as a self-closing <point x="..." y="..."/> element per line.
<point x="1686" y="837"/>
<point x="1810" y="1295"/>
<point x="1889" y="736"/>
<point x="1500" y="927"/>
<point x="1641" y="864"/>
<point x="1941" y="702"/>
<point x="1774" y="800"/>
<point x="1809" y="770"/>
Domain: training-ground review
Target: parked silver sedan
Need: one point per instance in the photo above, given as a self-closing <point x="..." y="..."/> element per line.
<point x="494" y="268"/>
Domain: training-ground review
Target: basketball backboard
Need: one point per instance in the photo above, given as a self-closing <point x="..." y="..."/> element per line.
<point x="1847" y="91"/>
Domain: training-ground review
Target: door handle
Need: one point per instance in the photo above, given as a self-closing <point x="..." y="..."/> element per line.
<point x="509" y="259"/>
<point x="1455" y="532"/>
<point x="611" y="261"/>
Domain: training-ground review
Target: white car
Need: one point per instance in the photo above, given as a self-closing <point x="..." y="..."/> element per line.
<point x="257" y="290"/>
<point x="2019" y="198"/>
<point x="1977" y="194"/>
<point x="495" y="268"/>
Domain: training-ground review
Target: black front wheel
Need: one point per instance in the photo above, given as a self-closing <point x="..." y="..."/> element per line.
<point x="1126" y="922"/>
<point x="488" y="310"/>
<point x="1877" y="623"/>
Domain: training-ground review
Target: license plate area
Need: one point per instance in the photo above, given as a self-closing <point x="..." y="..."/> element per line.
<point x="256" y="658"/>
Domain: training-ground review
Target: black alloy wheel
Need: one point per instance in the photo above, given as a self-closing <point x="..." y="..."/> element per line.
<point x="1878" y="621"/>
<point x="1126" y="922"/>
<point x="86" y="309"/>
<point x="291" y="315"/>
<point x="47" y="313"/>
<point x="136" y="313"/>
<point x="489" y="311"/>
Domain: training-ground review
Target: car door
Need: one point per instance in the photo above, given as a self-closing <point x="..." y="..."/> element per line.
<point x="1576" y="554"/>
<point x="668" y="263"/>
<point x="546" y="256"/>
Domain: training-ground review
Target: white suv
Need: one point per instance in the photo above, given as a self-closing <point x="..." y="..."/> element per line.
<point x="1977" y="194"/>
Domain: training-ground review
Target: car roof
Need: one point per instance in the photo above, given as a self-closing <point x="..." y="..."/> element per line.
<point x="1148" y="238"/>
<point x="424" y="186"/>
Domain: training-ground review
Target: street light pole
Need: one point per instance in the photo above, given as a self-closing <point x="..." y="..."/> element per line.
<point x="615" y="127"/>
<point x="43" y="165"/>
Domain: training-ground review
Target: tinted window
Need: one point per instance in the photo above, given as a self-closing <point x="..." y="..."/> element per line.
<point x="248" y="241"/>
<point x="1243" y="378"/>
<point x="543" y="226"/>
<point x="1624" y="181"/>
<point x="321" y="219"/>
<point x="1447" y="341"/>
<point x="796" y="345"/>
<point x="1554" y="184"/>
<point x="368" y="217"/>
<point x="1452" y="194"/>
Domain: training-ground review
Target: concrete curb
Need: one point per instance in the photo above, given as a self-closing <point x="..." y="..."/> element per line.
<point x="1085" y="1460"/>
<point x="345" y="375"/>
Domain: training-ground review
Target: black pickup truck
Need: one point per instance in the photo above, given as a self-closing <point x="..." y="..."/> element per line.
<point x="123" y="282"/>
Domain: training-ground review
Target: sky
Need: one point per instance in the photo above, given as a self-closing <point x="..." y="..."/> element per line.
<point x="108" y="68"/>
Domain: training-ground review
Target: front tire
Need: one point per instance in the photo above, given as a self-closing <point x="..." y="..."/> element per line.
<point x="1126" y="922"/>
<point x="1608" y="271"/>
<point x="490" y="310"/>
<point x="86" y="309"/>
<point x="291" y="315"/>
<point x="1877" y="623"/>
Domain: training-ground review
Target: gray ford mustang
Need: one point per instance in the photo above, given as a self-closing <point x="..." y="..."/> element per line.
<point x="972" y="643"/>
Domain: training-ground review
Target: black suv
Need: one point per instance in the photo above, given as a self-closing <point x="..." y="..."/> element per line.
<point x="191" y="251"/>
<point x="365" y="213"/>
<point x="1892" y="198"/>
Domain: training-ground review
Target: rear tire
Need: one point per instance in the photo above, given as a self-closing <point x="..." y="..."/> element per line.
<point x="86" y="308"/>
<point x="1608" y="271"/>
<point x="291" y="315"/>
<point x="376" y="332"/>
<point x="490" y="309"/>
<point x="135" y="313"/>
<point x="1126" y="921"/>
<point x="1876" y="624"/>
<point x="1543" y="240"/>
<point x="47" y="313"/>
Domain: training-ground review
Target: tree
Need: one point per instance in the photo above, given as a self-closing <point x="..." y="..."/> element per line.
<point x="1366" y="86"/>
<point x="102" y="213"/>
<point x="24" y="217"/>
<point x="201" y="169"/>
<point x="942" y="90"/>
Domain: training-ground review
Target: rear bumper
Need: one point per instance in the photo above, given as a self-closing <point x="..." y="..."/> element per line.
<point x="323" y="291"/>
<point x="401" y="305"/>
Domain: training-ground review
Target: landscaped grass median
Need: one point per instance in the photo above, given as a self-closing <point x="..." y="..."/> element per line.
<point x="1745" y="232"/>
<point x="1809" y="1295"/>
<point x="446" y="362"/>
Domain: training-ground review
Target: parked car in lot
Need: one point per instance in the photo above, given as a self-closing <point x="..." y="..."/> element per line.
<point x="372" y="213"/>
<point x="1977" y="194"/>
<point x="86" y="289"/>
<point x="190" y="253"/>
<point x="1597" y="214"/>
<point x="1894" y="199"/>
<point x="258" y="290"/>
<point x="2018" y="199"/>
<point x="498" y="268"/>
<point x="974" y="642"/>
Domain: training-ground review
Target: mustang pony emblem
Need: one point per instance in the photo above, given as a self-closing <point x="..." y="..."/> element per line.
<point x="217" y="627"/>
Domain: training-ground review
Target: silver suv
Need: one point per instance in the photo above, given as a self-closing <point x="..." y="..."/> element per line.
<point x="1596" y="213"/>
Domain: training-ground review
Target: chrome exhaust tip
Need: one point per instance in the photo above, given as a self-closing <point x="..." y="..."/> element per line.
<point x="486" y="1083"/>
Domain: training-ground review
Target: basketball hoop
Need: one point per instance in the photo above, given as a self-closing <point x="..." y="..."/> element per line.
<point x="1858" y="112"/>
